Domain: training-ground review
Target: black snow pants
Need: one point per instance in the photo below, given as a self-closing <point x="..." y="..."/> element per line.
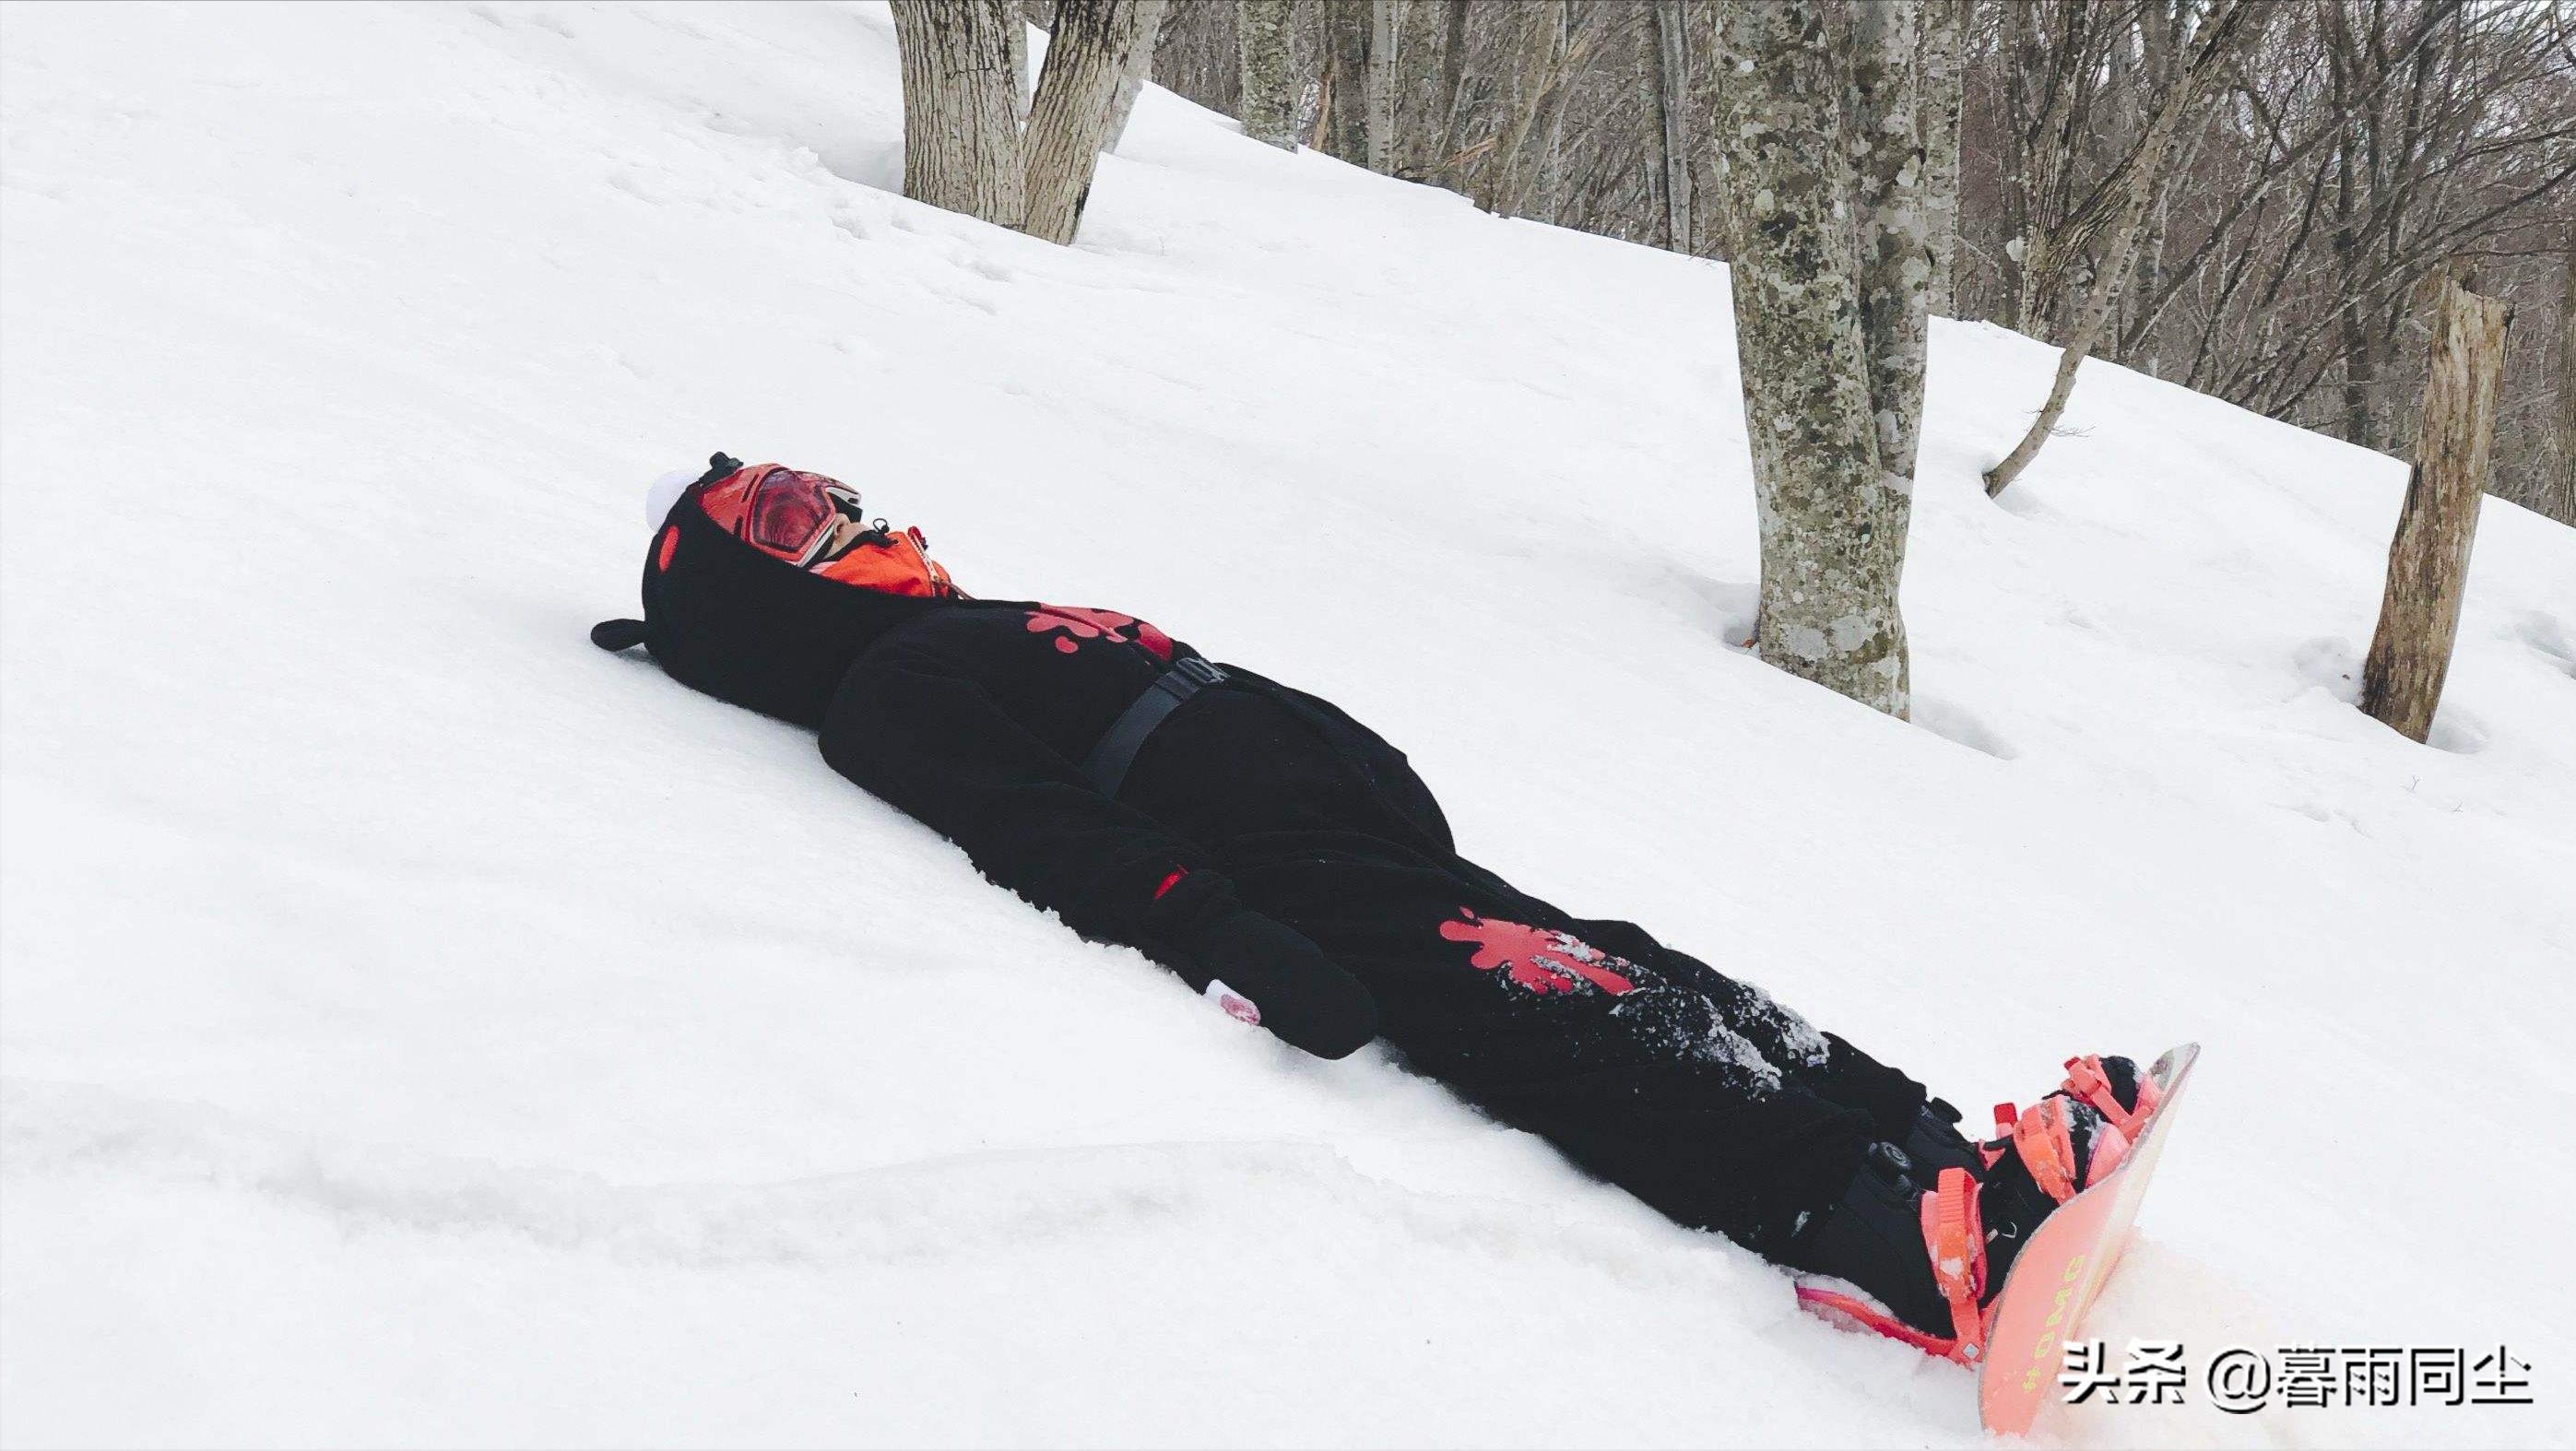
<point x="1691" y="1089"/>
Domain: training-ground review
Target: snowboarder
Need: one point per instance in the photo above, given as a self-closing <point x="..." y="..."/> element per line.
<point x="1286" y="862"/>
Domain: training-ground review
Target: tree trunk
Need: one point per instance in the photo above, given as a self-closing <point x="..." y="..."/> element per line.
<point x="1199" y="55"/>
<point x="1551" y="174"/>
<point x="1832" y="525"/>
<point x="2566" y="508"/>
<point x="961" y="132"/>
<point x="1532" y="71"/>
<point x="2070" y="359"/>
<point x="2428" y="561"/>
<point x="1140" y="68"/>
<point x="1093" y="44"/>
<point x="1450" y="133"/>
<point x="1269" y="84"/>
<point x="1895" y="258"/>
<point x="1673" y="99"/>
<point x="1022" y="83"/>
<point x="1720" y="98"/>
<point x="1943" y="72"/>
<point x="2139" y="179"/>
<point x="2062" y="47"/>
<point x="1418" y="90"/>
<point x="1345" y="117"/>
<point x="1379" y="143"/>
<point x="2358" y="374"/>
<point x="2014" y="46"/>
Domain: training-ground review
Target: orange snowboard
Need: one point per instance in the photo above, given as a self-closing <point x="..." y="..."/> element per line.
<point x="2057" y="1274"/>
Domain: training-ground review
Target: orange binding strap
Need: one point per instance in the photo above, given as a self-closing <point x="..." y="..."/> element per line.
<point x="1955" y="1234"/>
<point x="1992" y="1151"/>
<point x="2085" y="1080"/>
<point x="2046" y="1149"/>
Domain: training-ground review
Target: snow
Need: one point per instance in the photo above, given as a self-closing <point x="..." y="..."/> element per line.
<point x="420" y="1028"/>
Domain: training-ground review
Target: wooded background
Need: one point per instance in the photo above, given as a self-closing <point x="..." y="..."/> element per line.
<point x="2325" y="157"/>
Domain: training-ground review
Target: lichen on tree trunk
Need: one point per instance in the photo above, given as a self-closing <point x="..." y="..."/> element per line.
<point x="2428" y="560"/>
<point x="1943" y="66"/>
<point x="1887" y="147"/>
<point x="1833" y="519"/>
<point x="1269" y="90"/>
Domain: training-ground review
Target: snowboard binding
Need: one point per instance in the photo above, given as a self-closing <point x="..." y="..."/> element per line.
<point x="2014" y="1252"/>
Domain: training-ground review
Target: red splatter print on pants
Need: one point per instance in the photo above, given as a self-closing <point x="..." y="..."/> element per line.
<point x="1538" y="959"/>
<point x="1081" y="624"/>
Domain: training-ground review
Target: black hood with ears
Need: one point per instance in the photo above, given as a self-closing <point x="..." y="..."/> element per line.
<point x="723" y="617"/>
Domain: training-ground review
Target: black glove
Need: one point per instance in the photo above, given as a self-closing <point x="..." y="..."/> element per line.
<point x="1299" y="993"/>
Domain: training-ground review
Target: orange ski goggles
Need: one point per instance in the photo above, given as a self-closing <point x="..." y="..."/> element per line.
<point x="816" y="524"/>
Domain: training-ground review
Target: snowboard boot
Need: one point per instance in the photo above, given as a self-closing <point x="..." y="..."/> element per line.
<point x="2041" y="1158"/>
<point x="1934" y="1143"/>
<point x="1869" y="1259"/>
<point x="1922" y="1264"/>
<point x="2046" y="1156"/>
<point x="2115" y="1089"/>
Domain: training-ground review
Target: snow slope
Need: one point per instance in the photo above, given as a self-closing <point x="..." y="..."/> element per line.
<point x="421" y="1028"/>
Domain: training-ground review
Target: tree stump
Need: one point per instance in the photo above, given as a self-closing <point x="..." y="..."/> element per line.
<point x="2428" y="561"/>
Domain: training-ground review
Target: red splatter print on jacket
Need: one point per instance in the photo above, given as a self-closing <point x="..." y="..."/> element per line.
<point x="1538" y="959"/>
<point x="1080" y="625"/>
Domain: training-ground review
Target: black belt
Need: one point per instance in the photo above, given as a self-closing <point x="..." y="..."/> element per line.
<point x="1107" y="764"/>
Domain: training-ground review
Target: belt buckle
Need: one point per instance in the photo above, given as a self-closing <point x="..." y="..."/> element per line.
<point x="1198" y="670"/>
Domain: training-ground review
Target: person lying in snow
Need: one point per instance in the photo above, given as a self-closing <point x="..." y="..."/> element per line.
<point x="1286" y="862"/>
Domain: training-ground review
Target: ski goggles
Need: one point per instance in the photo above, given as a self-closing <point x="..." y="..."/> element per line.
<point x="788" y="513"/>
<point x="814" y="523"/>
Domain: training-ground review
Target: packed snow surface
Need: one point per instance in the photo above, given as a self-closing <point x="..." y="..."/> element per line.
<point x="422" y="1028"/>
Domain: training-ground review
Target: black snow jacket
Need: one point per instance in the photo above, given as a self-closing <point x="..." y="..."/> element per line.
<point x="972" y="716"/>
<point x="975" y="719"/>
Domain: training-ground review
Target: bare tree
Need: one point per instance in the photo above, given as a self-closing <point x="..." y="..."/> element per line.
<point x="1942" y="68"/>
<point x="1269" y="88"/>
<point x="1833" y="517"/>
<point x="1673" y="104"/>
<point x="963" y="148"/>
<point x="2359" y="147"/>
<point x="1341" y="120"/>
<point x="2438" y="131"/>
<point x="1885" y="111"/>
<point x="2428" y="561"/>
<point x="2256" y="271"/>
<point x="1426" y="71"/>
<point x="1542" y="53"/>
<point x="1140" y="65"/>
<point x="1023" y="81"/>
<point x="1379" y="71"/>
<point x="961" y="131"/>
<point x="1069" y="119"/>
<point x="2118" y="208"/>
<point x="2566" y="431"/>
<point x="1199" y="55"/>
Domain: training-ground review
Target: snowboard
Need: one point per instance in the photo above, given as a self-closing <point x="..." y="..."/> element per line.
<point x="2059" y="1272"/>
